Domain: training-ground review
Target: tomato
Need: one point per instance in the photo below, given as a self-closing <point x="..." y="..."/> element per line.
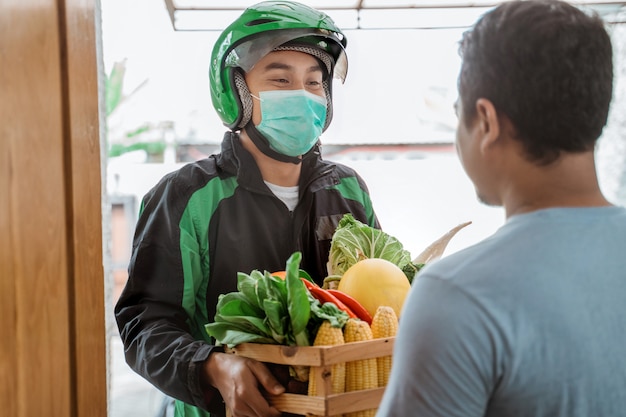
<point x="303" y="275"/>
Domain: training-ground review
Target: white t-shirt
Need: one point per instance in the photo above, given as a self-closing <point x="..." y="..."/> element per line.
<point x="288" y="195"/>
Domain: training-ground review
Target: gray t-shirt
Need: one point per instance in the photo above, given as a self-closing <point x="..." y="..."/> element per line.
<point x="529" y="322"/>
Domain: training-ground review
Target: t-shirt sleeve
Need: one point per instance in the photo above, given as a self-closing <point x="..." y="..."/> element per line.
<point x="444" y="357"/>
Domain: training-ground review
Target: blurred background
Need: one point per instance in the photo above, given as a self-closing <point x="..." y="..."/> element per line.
<point x="393" y="122"/>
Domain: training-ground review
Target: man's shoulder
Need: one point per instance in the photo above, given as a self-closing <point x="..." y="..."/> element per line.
<point x="191" y="177"/>
<point x="341" y="169"/>
<point x="200" y="170"/>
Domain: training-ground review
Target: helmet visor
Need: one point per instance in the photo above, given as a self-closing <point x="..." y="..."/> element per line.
<point x="246" y="54"/>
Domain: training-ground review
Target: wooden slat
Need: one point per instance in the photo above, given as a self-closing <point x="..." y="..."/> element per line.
<point x="83" y="174"/>
<point x="286" y="355"/>
<point x="359" y="350"/>
<point x="315" y="355"/>
<point x="348" y="402"/>
<point x="299" y="404"/>
<point x="331" y="405"/>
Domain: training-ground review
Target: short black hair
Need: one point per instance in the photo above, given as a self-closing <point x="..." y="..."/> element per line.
<point x="548" y="67"/>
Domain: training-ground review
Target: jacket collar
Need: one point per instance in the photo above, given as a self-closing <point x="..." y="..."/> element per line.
<point x="234" y="159"/>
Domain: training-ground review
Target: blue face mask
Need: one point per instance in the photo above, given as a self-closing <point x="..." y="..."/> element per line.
<point x="291" y="120"/>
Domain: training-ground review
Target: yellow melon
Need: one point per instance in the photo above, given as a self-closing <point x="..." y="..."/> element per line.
<point x="376" y="282"/>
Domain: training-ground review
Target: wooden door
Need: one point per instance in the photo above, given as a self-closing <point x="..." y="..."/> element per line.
<point x="52" y="346"/>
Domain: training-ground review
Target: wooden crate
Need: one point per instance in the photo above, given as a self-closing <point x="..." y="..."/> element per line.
<point x="321" y="359"/>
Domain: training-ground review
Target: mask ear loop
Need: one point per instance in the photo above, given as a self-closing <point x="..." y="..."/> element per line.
<point x="327" y="84"/>
<point x="244" y="97"/>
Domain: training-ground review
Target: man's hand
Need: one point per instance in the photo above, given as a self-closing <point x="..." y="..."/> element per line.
<point x="240" y="381"/>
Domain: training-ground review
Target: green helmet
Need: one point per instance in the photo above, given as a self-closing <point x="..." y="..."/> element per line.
<point x="262" y="28"/>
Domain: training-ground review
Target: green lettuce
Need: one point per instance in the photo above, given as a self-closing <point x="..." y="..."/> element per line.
<point x="354" y="241"/>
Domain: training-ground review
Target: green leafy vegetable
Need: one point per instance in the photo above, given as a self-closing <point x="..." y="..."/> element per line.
<point x="277" y="320"/>
<point x="231" y="335"/>
<point x="354" y="241"/>
<point x="267" y="309"/>
<point x="327" y="311"/>
<point x="411" y="269"/>
<point x="247" y="286"/>
<point x="297" y="301"/>
<point x="237" y="304"/>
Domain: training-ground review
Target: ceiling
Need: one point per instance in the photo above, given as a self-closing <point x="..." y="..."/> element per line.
<point x="214" y="15"/>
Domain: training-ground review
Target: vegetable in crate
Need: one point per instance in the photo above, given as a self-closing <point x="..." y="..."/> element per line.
<point x="352" y="303"/>
<point x="360" y="374"/>
<point x="323" y="295"/>
<point x="329" y="336"/>
<point x="268" y="309"/>
<point x="354" y="241"/>
<point x="384" y="324"/>
<point x="375" y="282"/>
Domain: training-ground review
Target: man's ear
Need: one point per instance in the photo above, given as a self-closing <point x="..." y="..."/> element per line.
<point x="488" y="122"/>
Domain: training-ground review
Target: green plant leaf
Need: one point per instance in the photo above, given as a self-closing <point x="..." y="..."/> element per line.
<point x="298" y="303"/>
<point x="277" y="319"/>
<point x="246" y="284"/>
<point x="237" y="304"/>
<point x="227" y="334"/>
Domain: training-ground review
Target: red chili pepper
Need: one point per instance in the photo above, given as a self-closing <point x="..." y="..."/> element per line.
<point x="309" y="284"/>
<point x="324" y="296"/>
<point x="352" y="304"/>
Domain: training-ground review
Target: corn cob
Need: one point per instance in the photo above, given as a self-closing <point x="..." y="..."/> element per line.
<point x="329" y="335"/>
<point x="384" y="324"/>
<point x="361" y="374"/>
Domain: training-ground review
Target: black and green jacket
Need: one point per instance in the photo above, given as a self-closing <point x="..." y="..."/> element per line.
<point x="201" y="225"/>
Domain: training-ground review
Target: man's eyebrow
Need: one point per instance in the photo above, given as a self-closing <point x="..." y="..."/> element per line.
<point x="283" y="66"/>
<point x="277" y="65"/>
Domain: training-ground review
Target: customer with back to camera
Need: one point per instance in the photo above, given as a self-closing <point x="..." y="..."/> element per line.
<point x="267" y="194"/>
<point x="530" y="321"/>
